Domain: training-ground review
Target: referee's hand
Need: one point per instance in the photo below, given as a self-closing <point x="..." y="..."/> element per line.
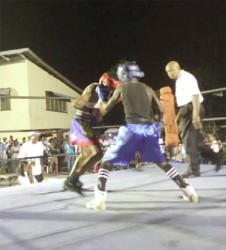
<point x="196" y="121"/>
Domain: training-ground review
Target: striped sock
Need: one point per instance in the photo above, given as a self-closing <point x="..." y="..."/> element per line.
<point x="103" y="176"/>
<point x="172" y="173"/>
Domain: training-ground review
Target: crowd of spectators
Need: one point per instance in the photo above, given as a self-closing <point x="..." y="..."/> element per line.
<point x="54" y="150"/>
<point x="59" y="154"/>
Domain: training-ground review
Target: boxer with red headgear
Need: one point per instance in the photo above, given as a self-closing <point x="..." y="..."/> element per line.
<point x="108" y="81"/>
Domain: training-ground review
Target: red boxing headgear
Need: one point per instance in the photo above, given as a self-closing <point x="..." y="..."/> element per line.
<point x="107" y="81"/>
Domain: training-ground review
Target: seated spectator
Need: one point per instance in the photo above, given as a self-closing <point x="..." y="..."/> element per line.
<point x="25" y="174"/>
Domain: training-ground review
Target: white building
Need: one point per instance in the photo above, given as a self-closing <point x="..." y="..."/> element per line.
<point x="23" y="74"/>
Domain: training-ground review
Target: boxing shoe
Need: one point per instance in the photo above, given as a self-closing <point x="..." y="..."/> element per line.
<point x="98" y="203"/>
<point x="75" y="186"/>
<point x="190" y="194"/>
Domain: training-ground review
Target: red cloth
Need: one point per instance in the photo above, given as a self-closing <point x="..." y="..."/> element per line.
<point x="171" y="131"/>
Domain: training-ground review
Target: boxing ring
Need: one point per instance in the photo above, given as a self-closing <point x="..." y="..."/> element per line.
<point x="145" y="211"/>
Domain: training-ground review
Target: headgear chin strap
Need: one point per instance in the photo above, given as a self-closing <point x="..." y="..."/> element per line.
<point x="127" y="71"/>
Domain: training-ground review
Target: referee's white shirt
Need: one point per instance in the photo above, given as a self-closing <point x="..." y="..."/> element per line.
<point x="186" y="87"/>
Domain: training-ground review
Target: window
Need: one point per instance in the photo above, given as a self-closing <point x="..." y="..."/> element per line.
<point x="57" y="104"/>
<point x="5" y="103"/>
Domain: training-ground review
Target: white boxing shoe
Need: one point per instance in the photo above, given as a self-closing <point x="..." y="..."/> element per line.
<point x="190" y="194"/>
<point x="98" y="203"/>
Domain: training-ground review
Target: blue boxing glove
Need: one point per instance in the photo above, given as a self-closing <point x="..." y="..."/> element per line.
<point x="103" y="93"/>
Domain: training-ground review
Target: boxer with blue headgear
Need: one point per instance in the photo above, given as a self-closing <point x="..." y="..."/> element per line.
<point x="127" y="71"/>
<point x="139" y="134"/>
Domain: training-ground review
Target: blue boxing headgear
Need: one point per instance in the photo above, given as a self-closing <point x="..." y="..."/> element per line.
<point x="127" y="71"/>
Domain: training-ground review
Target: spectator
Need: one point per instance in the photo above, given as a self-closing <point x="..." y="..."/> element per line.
<point x="70" y="153"/>
<point x="9" y="156"/>
<point x="2" y="150"/>
<point x="162" y="147"/>
<point x="214" y="144"/>
<point x="25" y="174"/>
<point x="45" y="158"/>
<point x="15" y="151"/>
<point x="221" y="146"/>
<point x="53" y="150"/>
<point x="23" y="141"/>
<point x="218" y="148"/>
<point x="183" y="153"/>
<point x="33" y="148"/>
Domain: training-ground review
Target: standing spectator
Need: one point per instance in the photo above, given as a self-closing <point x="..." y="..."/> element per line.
<point x="53" y="151"/>
<point x="33" y="148"/>
<point x="2" y="150"/>
<point x="9" y="156"/>
<point x="4" y="141"/>
<point x="11" y="139"/>
<point x="189" y="99"/>
<point x="15" y="151"/>
<point x="23" y="141"/>
<point x="59" y="142"/>
<point x="45" y="158"/>
<point x="70" y="153"/>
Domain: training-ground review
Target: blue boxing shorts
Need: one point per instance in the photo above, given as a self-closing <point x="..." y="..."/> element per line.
<point x="132" y="138"/>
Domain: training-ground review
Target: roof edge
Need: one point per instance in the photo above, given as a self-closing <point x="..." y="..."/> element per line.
<point x="30" y="55"/>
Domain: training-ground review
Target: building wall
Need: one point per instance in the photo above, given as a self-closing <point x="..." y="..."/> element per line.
<point x="39" y="82"/>
<point x="27" y="79"/>
<point x="14" y="76"/>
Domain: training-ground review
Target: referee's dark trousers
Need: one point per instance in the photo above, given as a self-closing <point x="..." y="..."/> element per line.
<point x="193" y="140"/>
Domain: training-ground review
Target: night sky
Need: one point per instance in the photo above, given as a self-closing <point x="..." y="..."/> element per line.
<point x="83" y="39"/>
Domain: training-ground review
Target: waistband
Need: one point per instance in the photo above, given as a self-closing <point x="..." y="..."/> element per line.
<point x="138" y="120"/>
<point x="82" y="115"/>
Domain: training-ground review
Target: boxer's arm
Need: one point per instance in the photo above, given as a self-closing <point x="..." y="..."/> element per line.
<point x="82" y="100"/>
<point x="153" y="98"/>
<point x="112" y="101"/>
